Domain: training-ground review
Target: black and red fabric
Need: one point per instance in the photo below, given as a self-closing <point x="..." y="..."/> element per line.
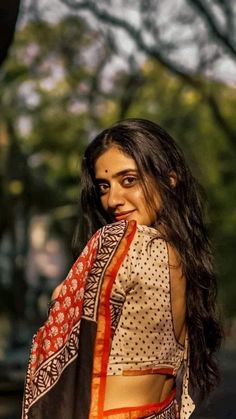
<point x="59" y="376"/>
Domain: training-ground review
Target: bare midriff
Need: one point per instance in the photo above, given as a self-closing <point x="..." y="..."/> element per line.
<point x="127" y="391"/>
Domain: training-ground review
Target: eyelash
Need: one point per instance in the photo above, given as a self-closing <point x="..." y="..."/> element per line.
<point x="100" y="191"/>
<point x="133" y="178"/>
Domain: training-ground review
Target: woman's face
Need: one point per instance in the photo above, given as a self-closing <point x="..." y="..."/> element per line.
<point x="120" y="188"/>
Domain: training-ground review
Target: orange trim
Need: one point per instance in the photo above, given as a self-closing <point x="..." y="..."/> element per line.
<point x="102" y="343"/>
<point x="137" y="411"/>
<point x="167" y="371"/>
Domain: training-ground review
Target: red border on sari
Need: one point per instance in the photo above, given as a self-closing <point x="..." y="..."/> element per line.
<point x="137" y="411"/>
<point x="102" y="343"/>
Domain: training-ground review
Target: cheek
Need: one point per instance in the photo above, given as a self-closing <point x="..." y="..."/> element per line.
<point x="137" y="193"/>
<point x="148" y="207"/>
<point x="140" y="198"/>
<point x="103" y="201"/>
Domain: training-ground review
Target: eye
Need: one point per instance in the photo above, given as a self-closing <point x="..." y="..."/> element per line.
<point x="129" y="180"/>
<point x="102" y="188"/>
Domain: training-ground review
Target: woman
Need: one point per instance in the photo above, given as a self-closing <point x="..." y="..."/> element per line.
<point x="134" y="323"/>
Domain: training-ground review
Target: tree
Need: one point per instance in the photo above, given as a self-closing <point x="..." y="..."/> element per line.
<point x="8" y="16"/>
<point x="45" y="103"/>
<point x="165" y="31"/>
<point x="62" y="83"/>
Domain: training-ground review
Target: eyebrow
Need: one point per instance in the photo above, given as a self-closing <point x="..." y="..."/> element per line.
<point x="120" y="173"/>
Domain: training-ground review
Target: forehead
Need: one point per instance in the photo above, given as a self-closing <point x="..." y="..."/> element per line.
<point x="113" y="161"/>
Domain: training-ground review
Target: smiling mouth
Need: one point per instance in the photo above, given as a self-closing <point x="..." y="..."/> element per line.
<point x="122" y="215"/>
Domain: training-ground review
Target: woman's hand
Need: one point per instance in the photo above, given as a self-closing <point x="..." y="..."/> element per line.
<point x="54" y="296"/>
<point x="56" y="291"/>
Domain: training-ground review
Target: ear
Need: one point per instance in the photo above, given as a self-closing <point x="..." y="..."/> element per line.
<point x="173" y="179"/>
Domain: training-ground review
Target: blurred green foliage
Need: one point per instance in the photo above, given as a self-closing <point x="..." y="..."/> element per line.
<point x="57" y="89"/>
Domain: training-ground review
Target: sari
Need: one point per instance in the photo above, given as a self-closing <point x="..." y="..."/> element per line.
<point x="67" y="370"/>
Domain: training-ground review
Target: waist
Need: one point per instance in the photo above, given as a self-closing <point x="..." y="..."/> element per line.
<point x="168" y="408"/>
<point x="126" y="391"/>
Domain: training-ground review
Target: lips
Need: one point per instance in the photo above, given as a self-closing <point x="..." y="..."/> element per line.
<point x="122" y="215"/>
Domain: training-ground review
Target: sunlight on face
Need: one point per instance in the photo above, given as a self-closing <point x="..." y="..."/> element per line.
<point x="120" y="188"/>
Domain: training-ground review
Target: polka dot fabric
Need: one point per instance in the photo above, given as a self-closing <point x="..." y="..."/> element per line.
<point x="144" y="341"/>
<point x="144" y="336"/>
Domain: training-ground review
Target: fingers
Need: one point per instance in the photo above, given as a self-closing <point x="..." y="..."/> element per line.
<point x="56" y="291"/>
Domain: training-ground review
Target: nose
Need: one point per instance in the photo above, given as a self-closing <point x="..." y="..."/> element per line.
<point x="115" y="197"/>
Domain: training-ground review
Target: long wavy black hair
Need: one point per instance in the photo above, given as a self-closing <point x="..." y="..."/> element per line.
<point x="181" y="219"/>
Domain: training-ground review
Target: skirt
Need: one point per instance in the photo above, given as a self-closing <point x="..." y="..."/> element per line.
<point x="168" y="409"/>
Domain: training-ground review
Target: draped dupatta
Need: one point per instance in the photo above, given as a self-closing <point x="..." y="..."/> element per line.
<point x="66" y="375"/>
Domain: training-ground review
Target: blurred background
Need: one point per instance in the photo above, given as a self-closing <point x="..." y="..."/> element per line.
<point x="73" y="68"/>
